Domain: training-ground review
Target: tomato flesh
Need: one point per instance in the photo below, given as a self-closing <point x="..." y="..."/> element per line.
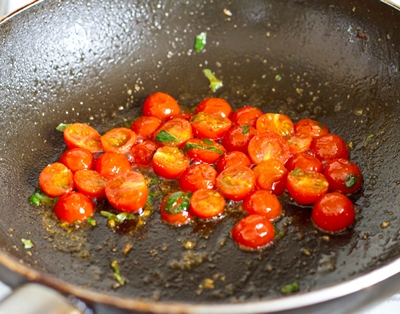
<point x="203" y="150"/>
<point x="206" y="204"/>
<point x="74" y="207"/>
<point x="196" y="177"/>
<point x="112" y="164"/>
<point x="233" y="158"/>
<point x="266" y="146"/>
<point x="271" y="176"/>
<point x="56" y="180"/>
<point x="90" y="183"/>
<point x="311" y="128"/>
<point x="175" y="208"/>
<point x="77" y="159"/>
<point x="169" y="162"/>
<point x="174" y="132"/>
<point x="238" y="138"/>
<point x="210" y="126"/>
<point x="215" y="106"/>
<point x="160" y="105"/>
<point x="118" y="140"/>
<point x="247" y="115"/>
<point x="263" y="203"/>
<point x="142" y="153"/>
<point x="305" y="162"/>
<point x="236" y="182"/>
<point x="83" y="136"/>
<point x="145" y="127"/>
<point x="276" y="123"/>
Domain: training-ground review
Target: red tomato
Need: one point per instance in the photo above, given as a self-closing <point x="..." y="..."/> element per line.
<point x="343" y="176"/>
<point x="210" y="126"/>
<point x="271" y="176"/>
<point x="127" y="192"/>
<point x="275" y="122"/>
<point x="306" y="187"/>
<point x="263" y="203"/>
<point x="329" y="147"/>
<point x="253" y="232"/>
<point x="143" y="152"/>
<point x="175" y="208"/>
<point x="145" y="127"/>
<point x="215" y="106"/>
<point x="238" y="138"/>
<point x="174" y="132"/>
<point x="77" y="159"/>
<point x="310" y="127"/>
<point x="83" y="136"/>
<point x="266" y="146"/>
<point x="90" y="182"/>
<point x="233" y="158"/>
<point x="204" y="150"/>
<point x="170" y="162"/>
<point x="161" y="106"/>
<point x="74" y="207"/>
<point x="236" y="182"/>
<point x="305" y="162"/>
<point x="56" y="180"/>
<point x="183" y="115"/>
<point x="206" y="204"/>
<point x="111" y="164"/>
<point x="333" y="212"/>
<point x="196" y="177"/>
<point x="118" y="140"/>
<point x="299" y="143"/>
<point x="247" y="115"/>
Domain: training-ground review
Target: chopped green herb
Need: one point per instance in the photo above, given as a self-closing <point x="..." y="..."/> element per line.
<point x="177" y="202"/>
<point x="91" y="221"/>
<point x="278" y="77"/>
<point x="246" y="129"/>
<point x="165" y="137"/>
<point x="28" y="244"/>
<point x="369" y="137"/>
<point x="189" y="146"/>
<point x="214" y="82"/>
<point x="351" y="180"/>
<point x="61" y="127"/>
<point x="200" y="42"/>
<point x="153" y="181"/>
<point x="117" y="274"/>
<point x="294" y="287"/>
<point x="118" y="218"/>
<point x="208" y="141"/>
<point x="39" y="197"/>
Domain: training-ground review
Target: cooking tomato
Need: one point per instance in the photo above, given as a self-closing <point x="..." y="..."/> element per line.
<point x="215" y="106"/>
<point x="310" y="127"/>
<point x="305" y="162"/>
<point x="56" y="180"/>
<point x="238" y="138"/>
<point x="275" y="122"/>
<point x="90" y="182"/>
<point x="204" y="150"/>
<point x="196" y="177"/>
<point x="206" y="204"/>
<point x="271" y="176"/>
<point x="333" y="212"/>
<point x="233" y="158"/>
<point x="145" y="127"/>
<point x="118" y="140"/>
<point x="343" y="176"/>
<point x="236" y="182"/>
<point x="111" y="164"/>
<point x="253" y="232"/>
<point x="299" y="143"/>
<point x="328" y="147"/>
<point x="263" y="203"/>
<point x="210" y="126"/>
<point x="170" y="162"/>
<point x="174" y="132"/>
<point x="306" y="187"/>
<point x="127" y="192"/>
<point x="161" y="106"/>
<point x="83" y="136"/>
<point x="143" y="152"/>
<point x="266" y="146"/>
<point x="183" y="115"/>
<point x="74" y="207"/>
<point x="175" y="208"/>
<point x="77" y="159"/>
<point x="247" y="115"/>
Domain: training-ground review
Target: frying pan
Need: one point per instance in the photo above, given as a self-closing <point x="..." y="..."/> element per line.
<point x="96" y="61"/>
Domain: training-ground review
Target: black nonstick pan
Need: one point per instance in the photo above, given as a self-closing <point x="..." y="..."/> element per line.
<point x="95" y="62"/>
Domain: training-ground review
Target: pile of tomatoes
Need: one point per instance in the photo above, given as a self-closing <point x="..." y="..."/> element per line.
<point x="217" y="155"/>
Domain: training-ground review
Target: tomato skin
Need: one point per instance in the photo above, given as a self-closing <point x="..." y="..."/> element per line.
<point x="247" y="115"/>
<point x="91" y="183"/>
<point x="161" y="106"/>
<point x="299" y="143"/>
<point x="180" y="218"/>
<point x="143" y="152"/>
<point x="196" y="177"/>
<point x="169" y="162"/>
<point x="305" y="162"/>
<point x="275" y="122"/>
<point x="183" y="115"/>
<point x="174" y="132"/>
<point x="271" y="176"/>
<point x="238" y="138"/>
<point x="232" y="158"/>
<point x="263" y="203"/>
<point x="56" y="180"/>
<point x="306" y="187"/>
<point x="74" y="207"/>
<point x="215" y="106"/>
<point x="329" y="147"/>
<point x="111" y="164"/>
<point x="253" y="232"/>
<point x="77" y="159"/>
<point x="203" y="150"/>
<point x="83" y="136"/>
<point x="310" y="127"/>
<point x="118" y="140"/>
<point x="343" y="176"/>
<point x="236" y="182"/>
<point x="127" y="192"/>
<point x="145" y="127"/>
<point x="333" y="212"/>
<point x="206" y="204"/>
<point x="210" y="126"/>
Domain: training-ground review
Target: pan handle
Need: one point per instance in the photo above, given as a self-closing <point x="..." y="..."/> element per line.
<point x="393" y="3"/>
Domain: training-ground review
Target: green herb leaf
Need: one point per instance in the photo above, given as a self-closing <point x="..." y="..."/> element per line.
<point x="245" y="129"/>
<point x="28" y="244"/>
<point x="117" y="274"/>
<point x="61" y="127"/>
<point x="278" y="77"/>
<point x="294" y="287"/>
<point x="177" y="202"/>
<point x="208" y="141"/>
<point x="189" y="146"/>
<point x="164" y="137"/>
<point x="351" y="180"/>
<point x="117" y="218"/>
<point x="39" y="197"/>
<point x="200" y="42"/>
<point x="214" y="82"/>
<point x="369" y="137"/>
<point x="91" y="221"/>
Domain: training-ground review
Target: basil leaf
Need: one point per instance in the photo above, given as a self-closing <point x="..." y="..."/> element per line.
<point x="164" y="137"/>
<point x="177" y="202"/>
<point x="39" y="197"/>
<point x="208" y="141"/>
<point x="189" y="146"/>
<point x="28" y="244"/>
<point x="246" y="129"/>
<point x="61" y="127"/>
<point x="351" y="180"/>
<point x="117" y="273"/>
<point x="214" y="82"/>
<point x="200" y="42"/>
<point x="294" y="287"/>
<point x="118" y="218"/>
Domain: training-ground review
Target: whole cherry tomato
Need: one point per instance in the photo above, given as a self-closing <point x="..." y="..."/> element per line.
<point x="175" y="208"/>
<point x="206" y="204"/>
<point x="238" y="138"/>
<point x="145" y="127"/>
<point x="210" y="126"/>
<point x="215" y="106"/>
<point x="83" y="136"/>
<point x="263" y="203"/>
<point x="233" y="158"/>
<point x="118" y="140"/>
<point x="328" y="147"/>
<point x="247" y="115"/>
<point x="77" y="159"/>
<point x="196" y="177"/>
<point x="343" y="176"/>
<point x="74" y="207"/>
<point x="111" y="164"/>
<point x="236" y="182"/>
<point x="174" y="132"/>
<point x="203" y="150"/>
<point x="161" y="106"/>
<point x="271" y="175"/>
<point x="276" y="123"/>
<point x="56" y="180"/>
<point x="169" y="162"/>
<point x="305" y="162"/>
<point x="90" y="182"/>
<point x="310" y="127"/>
<point x="142" y="153"/>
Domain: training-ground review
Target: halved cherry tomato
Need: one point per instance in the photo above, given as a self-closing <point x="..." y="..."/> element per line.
<point x="247" y="115"/>
<point x="333" y="212"/>
<point x="271" y="176"/>
<point x="305" y="162"/>
<point x="90" y="182"/>
<point x="175" y="208"/>
<point x="56" y="180"/>
<point x="74" y="207"/>
<point x="143" y="152"/>
<point x="306" y="187"/>
<point x="266" y="146"/>
<point x="127" y="192"/>
<point x="206" y="204"/>
<point x="236" y="182"/>
<point x="77" y="159"/>
<point x="204" y="150"/>
<point x="161" y="106"/>
<point x="183" y="115"/>
<point x="174" y="132"/>
<point x="310" y="127"/>
<point x="253" y="232"/>
<point x="118" y="140"/>
<point x="196" y="177"/>
<point x="215" y="106"/>
<point x="84" y="136"/>
<point x="343" y="176"/>
<point x="210" y="126"/>
<point x="233" y="158"/>
<point x="145" y="127"/>
<point x="299" y="143"/>
<point x="263" y="203"/>
<point x="275" y="122"/>
<point x="111" y="164"/>
<point x="329" y="147"/>
<point x="238" y="138"/>
<point x="170" y="162"/>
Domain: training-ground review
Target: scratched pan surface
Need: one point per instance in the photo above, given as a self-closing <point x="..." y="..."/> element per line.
<point x="96" y="61"/>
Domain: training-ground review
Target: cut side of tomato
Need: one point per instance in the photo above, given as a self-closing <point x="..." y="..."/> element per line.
<point x="118" y="140"/>
<point x="77" y="159"/>
<point x="142" y="153"/>
<point x="203" y="150"/>
<point x="175" y="208"/>
<point x="304" y="161"/>
<point x="263" y="203"/>
<point x="236" y="182"/>
<point x="210" y="126"/>
<point x="329" y="147"/>
<point x="170" y="162"/>
<point x="343" y="176"/>
<point x="83" y="136"/>
<point x="207" y="204"/>
<point x="271" y="176"/>
<point x="299" y="143"/>
<point x="310" y="127"/>
<point x="90" y="183"/>
<point x="238" y="138"/>
<point x="215" y="106"/>
<point x="247" y="115"/>
<point x="111" y="164"/>
<point x="74" y="207"/>
<point x="233" y="158"/>
<point x="196" y="177"/>
<point x="276" y="123"/>
<point x="161" y="106"/>
<point x="174" y="132"/>
<point x="266" y="146"/>
<point x="145" y="127"/>
<point x="56" y="180"/>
